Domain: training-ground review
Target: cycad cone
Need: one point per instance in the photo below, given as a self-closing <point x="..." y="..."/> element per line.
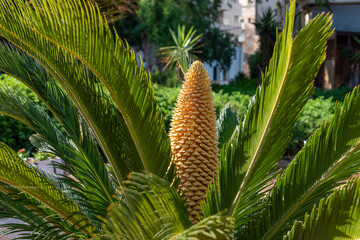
<point x="194" y="138"/>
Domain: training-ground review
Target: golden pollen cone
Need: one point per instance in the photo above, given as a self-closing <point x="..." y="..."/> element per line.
<point x="194" y="138"/>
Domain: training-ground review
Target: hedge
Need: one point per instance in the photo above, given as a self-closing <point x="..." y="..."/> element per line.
<point x="320" y="107"/>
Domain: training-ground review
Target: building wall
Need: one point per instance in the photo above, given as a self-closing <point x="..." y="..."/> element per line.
<point x="218" y="75"/>
<point x="346" y="18"/>
<point x="236" y="17"/>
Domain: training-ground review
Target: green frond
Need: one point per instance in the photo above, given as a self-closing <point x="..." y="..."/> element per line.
<point x="226" y="124"/>
<point x="217" y="227"/>
<point x="80" y="84"/>
<point x="17" y="173"/>
<point x="336" y="217"/>
<point x="268" y="123"/>
<point x="92" y="42"/>
<point x="15" y="204"/>
<point x="330" y="155"/>
<point x="88" y="165"/>
<point x="151" y="210"/>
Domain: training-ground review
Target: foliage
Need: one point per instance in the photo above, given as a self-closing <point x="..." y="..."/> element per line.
<point x="244" y="83"/>
<point x="255" y="65"/>
<point x="314" y="113"/>
<point x="336" y="94"/>
<point x="186" y="44"/>
<point x="103" y="98"/>
<point x="155" y="18"/>
<point x="266" y="28"/>
<point x="115" y="10"/>
<point x="166" y="98"/>
<point x="168" y="79"/>
<point x="12" y="132"/>
<point x="329" y="213"/>
<point x="219" y="48"/>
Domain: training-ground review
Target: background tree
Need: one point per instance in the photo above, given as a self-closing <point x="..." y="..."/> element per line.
<point x="150" y="29"/>
<point x="266" y="29"/>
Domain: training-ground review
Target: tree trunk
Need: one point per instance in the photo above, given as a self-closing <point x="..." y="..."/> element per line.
<point x="149" y="55"/>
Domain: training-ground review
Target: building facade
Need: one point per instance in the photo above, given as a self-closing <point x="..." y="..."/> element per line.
<point x="341" y="67"/>
<point x="236" y="17"/>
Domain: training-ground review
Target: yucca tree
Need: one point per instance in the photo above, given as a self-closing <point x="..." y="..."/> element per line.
<point x="185" y="48"/>
<point x="102" y="98"/>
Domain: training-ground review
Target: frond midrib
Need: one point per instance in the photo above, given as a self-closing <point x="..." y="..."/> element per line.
<point x="253" y="161"/>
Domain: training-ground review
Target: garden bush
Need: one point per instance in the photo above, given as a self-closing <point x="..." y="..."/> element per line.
<point x="320" y="107"/>
<point x="337" y="94"/>
<point x="238" y="95"/>
<point x="166" y="98"/>
<point x="314" y="113"/>
<point x="12" y="132"/>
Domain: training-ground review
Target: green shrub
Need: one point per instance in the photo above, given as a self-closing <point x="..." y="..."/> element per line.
<point x="238" y="95"/>
<point x="12" y="132"/>
<point x="166" y="98"/>
<point x="337" y="94"/>
<point x="238" y="101"/>
<point x="166" y="78"/>
<point x="248" y="88"/>
<point x="315" y="112"/>
<point x="256" y="65"/>
<point x="320" y="107"/>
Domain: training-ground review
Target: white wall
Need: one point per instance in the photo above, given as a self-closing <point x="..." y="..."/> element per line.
<point x="236" y="67"/>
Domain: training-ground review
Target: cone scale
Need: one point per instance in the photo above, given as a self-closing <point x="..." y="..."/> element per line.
<point x="194" y="138"/>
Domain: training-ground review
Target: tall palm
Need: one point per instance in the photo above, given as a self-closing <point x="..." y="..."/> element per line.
<point x="266" y="28"/>
<point x="93" y="84"/>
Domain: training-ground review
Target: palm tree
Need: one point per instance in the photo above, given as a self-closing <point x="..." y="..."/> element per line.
<point x="266" y="28"/>
<point x="186" y="44"/>
<point x="102" y="98"/>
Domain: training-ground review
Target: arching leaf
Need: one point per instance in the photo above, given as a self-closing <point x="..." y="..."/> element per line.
<point x="336" y="217"/>
<point x="330" y="155"/>
<point x="17" y="173"/>
<point x="268" y="124"/>
<point x="116" y="67"/>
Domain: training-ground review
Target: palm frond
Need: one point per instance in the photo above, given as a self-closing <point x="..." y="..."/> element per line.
<point x="267" y="126"/>
<point x="330" y="156"/>
<point x="17" y="173"/>
<point x="151" y="210"/>
<point x="36" y="222"/>
<point x="116" y="66"/>
<point x="52" y="139"/>
<point x="217" y="227"/>
<point x="226" y="124"/>
<point x="84" y="161"/>
<point x="80" y="84"/>
<point x="336" y="217"/>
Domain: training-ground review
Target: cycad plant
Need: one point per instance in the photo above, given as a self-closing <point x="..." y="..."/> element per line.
<point x="103" y="100"/>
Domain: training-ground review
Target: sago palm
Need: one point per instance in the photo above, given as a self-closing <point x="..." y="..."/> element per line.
<point x="103" y="100"/>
